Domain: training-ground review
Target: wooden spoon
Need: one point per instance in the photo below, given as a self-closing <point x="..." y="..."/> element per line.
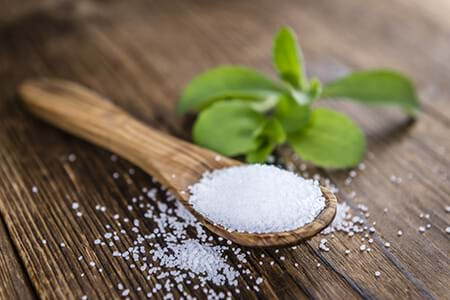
<point x="174" y="163"/>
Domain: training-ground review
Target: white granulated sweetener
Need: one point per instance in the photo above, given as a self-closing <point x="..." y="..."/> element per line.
<point x="257" y="199"/>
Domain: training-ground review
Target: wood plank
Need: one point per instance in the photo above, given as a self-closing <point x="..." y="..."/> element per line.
<point x="139" y="56"/>
<point x="14" y="283"/>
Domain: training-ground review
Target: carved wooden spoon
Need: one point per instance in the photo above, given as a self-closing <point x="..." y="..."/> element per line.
<point x="175" y="163"/>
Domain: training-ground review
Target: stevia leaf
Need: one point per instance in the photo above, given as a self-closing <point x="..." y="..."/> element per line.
<point x="273" y="131"/>
<point x="330" y="140"/>
<point x="376" y="87"/>
<point x="271" y="135"/>
<point x="229" y="127"/>
<point x="227" y="82"/>
<point x="314" y="89"/>
<point x="292" y="115"/>
<point x="264" y="105"/>
<point x="288" y="58"/>
<point x="260" y="155"/>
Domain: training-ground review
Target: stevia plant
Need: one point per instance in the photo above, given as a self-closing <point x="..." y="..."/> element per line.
<point x="243" y="112"/>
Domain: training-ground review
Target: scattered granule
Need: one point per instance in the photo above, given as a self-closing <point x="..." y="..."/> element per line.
<point x="62" y="245"/>
<point x="347" y="251"/>
<point x="71" y="157"/>
<point x="422" y="229"/>
<point x="340" y="222"/>
<point x="363" y="207"/>
<point x="75" y="205"/>
<point x="201" y="259"/>
<point x="259" y="280"/>
<point x="44" y="242"/>
<point x="362" y="248"/>
<point x="387" y="244"/>
<point x="395" y="179"/>
<point x="264" y="198"/>
<point x="447" y="230"/>
<point x="447" y="209"/>
<point x="84" y="297"/>
<point x="377" y="274"/>
<point x="399" y="233"/>
<point x="35" y="189"/>
<point x="323" y="245"/>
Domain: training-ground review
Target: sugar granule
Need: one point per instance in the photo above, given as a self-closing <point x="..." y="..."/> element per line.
<point x="257" y="199"/>
<point x="199" y="258"/>
<point x="340" y="222"/>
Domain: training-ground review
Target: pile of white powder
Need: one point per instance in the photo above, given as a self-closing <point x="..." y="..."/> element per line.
<point x="257" y="199"/>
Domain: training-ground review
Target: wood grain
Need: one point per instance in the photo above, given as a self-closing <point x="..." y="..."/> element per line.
<point x="141" y="53"/>
<point x="14" y="283"/>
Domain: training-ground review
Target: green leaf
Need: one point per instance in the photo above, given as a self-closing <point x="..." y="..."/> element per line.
<point x="260" y="155"/>
<point x="288" y="58"/>
<point x="273" y="131"/>
<point x="271" y="135"/>
<point x="229" y="127"/>
<point x="376" y="87"/>
<point x="292" y="115"/>
<point x="227" y="82"/>
<point x="330" y="140"/>
<point x="263" y="105"/>
<point x="314" y="89"/>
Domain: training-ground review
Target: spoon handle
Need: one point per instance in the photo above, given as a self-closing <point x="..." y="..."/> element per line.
<point x="86" y="114"/>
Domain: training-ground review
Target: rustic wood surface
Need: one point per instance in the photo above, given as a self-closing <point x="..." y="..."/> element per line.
<point x="140" y="54"/>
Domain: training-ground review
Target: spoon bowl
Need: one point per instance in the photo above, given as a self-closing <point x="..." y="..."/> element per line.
<point x="174" y="163"/>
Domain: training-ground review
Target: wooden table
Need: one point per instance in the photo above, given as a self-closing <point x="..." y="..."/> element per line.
<point x="141" y="54"/>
